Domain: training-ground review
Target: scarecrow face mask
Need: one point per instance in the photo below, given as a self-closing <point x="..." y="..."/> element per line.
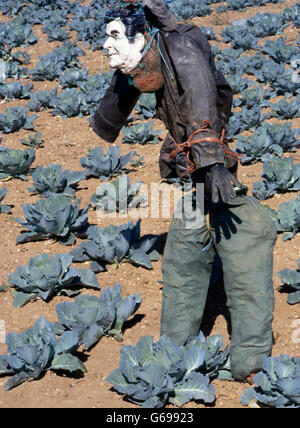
<point x="124" y="54"/>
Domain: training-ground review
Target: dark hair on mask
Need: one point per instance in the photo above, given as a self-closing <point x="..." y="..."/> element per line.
<point x="133" y="20"/>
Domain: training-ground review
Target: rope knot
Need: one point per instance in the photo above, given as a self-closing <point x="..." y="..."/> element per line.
<point x="186" y="146"/>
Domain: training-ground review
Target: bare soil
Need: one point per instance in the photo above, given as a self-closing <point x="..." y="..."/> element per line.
<point x="65" y="142"/>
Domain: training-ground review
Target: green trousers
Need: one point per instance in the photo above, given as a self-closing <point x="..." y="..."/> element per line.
<point x="244" y="235"/>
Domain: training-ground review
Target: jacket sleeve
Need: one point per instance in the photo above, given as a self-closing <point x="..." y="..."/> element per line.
<point x="198" y="101"/>
<point x="159" y="15"/>
<point x="115" y="107"/>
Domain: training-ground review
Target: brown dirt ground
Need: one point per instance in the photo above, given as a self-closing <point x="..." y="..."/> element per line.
<point x="65" y="142"/>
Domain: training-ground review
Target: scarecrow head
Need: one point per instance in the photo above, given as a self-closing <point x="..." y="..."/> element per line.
<point x="125" y="30"/>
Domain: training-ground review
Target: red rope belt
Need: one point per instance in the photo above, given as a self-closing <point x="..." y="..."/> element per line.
<point x="186" y="146"/>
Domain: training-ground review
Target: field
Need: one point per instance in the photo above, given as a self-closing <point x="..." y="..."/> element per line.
<point x="65" y="142"/>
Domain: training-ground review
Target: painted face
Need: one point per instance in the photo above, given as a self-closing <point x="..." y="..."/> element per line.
<point x="123" y="55"/>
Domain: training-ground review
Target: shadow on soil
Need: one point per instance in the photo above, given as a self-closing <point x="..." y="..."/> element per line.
<point x="216" y="303"/>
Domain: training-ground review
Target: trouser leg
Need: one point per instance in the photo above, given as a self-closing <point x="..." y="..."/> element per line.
<point x="186" y="276"/>
<point x="245" y="236"/>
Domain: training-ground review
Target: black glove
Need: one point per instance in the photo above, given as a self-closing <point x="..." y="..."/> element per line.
<point x="180" y="164"/>
<point x="219" y="182"/>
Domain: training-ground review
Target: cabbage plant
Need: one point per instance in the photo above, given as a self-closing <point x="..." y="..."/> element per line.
<point x="266" y="24"/>
<point x="241" y="4"/>
<point x="55" y="33"/>
<point x="91" y="317"/>
<point x="277" y="384"/>
<point x="12" y="90"/>
<point x="15" y="119"/>
<point x="116" y="244"/>
<point x="118" y="196"/>
<point x="90" y="30"/>
<point x="73" y="78"/>
<point x="53" y="218"/>
<point x="41" y="99"/>
<point x="13" y="70"/>
<point x="6" y="209"/>
<point x="292" y="14"/>
<point x="238" y="83"/>
<point x="280" y="175"/>
<point x="287" y="218"/>
<point x="216" y="362"/>
<point x="141" y="133"/>
<point x="18" y="33"/>
<point x="268" y="139"/>
<point x="279" y="51"/>
<point x="104" y="166"/>
<point x="284" y="109"/>
<point x="37" y="350"/>
<point x="146" y="107"/>
<point x="153" y="374"/>
<point x="269" y="71"/>
<point x="21" y="57"/>
<point x="51" y="65"/>
<point x="255" y="63"/>
<point x="69" y="103"/>
<point x="239" y="36"/>
<point x="245" y="33"/>
<point x="10" y="7"/>
<point x="247" y="118"/>
<point x="209" y="33"/>
<point x="52" y="179"/>
<point x="290" y="280"/>
<point x="33" y="141"/>
<point x="238" y="4"/>
<point x="15" y="163"/>
<point x="229" y="54"/>
<point x="45" y="276"/>
<point x="285" y="84"/>
<point x="251" y="97"/>
<point x="94" y="87"/>
<point x="184" y="9"/>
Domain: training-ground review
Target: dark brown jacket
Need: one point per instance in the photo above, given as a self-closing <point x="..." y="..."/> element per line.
<point x="193" y="92"/>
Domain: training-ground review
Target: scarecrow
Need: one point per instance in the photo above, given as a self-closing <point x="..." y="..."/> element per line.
<point x="152" y="52"/>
